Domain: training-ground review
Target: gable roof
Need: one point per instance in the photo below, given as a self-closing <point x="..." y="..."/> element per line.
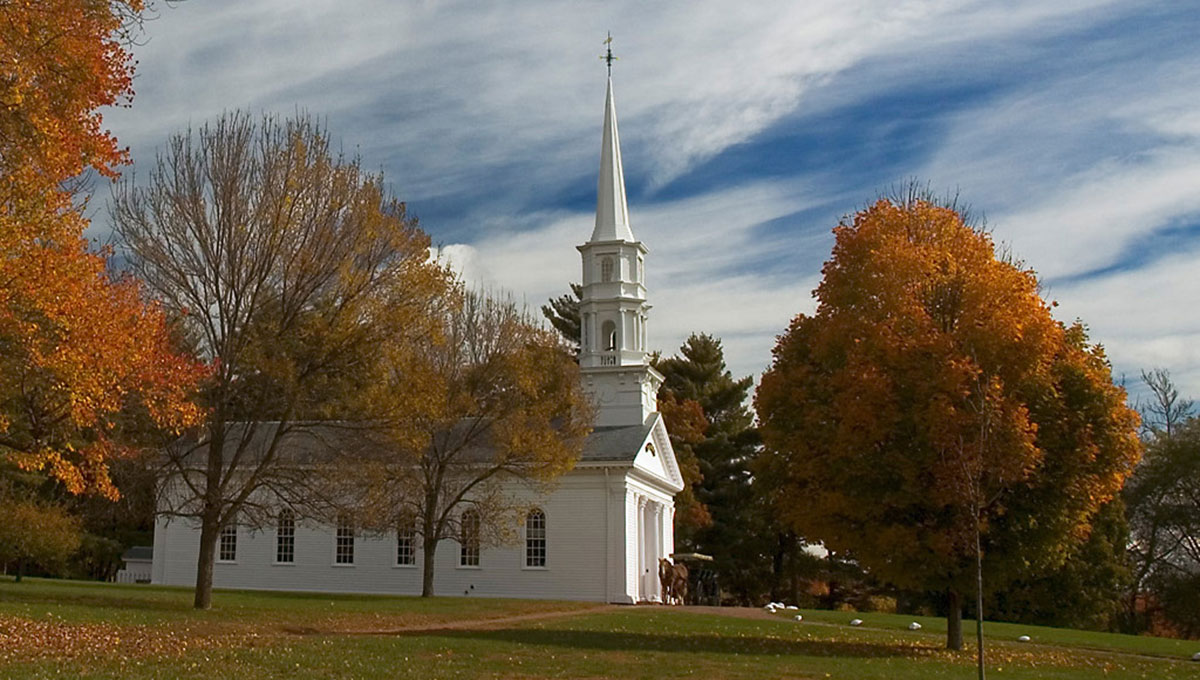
<point x="139" y="552"/>
<point x="619" y="443"/>
<point x="310" y="442"/>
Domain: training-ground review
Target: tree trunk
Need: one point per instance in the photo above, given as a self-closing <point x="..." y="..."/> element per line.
<point x="210" y="512"/>
<point x="20" y="568"/>
<point x="210" y="530"/>
<point x="954" y="634"/>
<point x="979" y="602"/>
<point x="427" y="555"/>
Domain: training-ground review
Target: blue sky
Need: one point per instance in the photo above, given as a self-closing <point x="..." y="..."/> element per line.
<point x="748" y="130"/>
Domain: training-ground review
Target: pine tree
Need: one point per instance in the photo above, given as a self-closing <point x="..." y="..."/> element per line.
<point x="735" y="536"/>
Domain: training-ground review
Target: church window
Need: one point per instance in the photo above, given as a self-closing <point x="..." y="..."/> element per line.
<point x="468" y="539"/>
<point x="343" y="547"/>
<point x="608" y="333"/>
<point x="535" y="538"/>
<point x="227" y="545"/>
<point x="285" y="537"/>
<point x="406" y="548"/>
<point x="606" y="269"/>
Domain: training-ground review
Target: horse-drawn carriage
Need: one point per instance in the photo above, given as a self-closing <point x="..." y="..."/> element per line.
<point x="689" y="580"/>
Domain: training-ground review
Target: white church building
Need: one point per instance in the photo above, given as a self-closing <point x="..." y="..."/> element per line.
<point x="598" y="536"/>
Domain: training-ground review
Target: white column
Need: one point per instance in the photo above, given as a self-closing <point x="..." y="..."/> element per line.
<point x="668" y="525"/>
<point x="655" y="512"/>
<point x="642" y="592"/>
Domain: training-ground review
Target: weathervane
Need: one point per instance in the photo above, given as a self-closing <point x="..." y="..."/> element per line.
<point x="609" y="58"/>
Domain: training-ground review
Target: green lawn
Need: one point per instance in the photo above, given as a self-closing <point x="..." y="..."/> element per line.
<point x="62" y="629"/>
<point x="1007" y="632"/>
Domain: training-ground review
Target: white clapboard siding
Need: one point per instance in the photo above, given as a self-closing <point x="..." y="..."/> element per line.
<point x="576" y="561"/>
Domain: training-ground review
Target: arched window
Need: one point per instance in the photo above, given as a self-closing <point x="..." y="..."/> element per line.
<point x="606" y="269"/>
<point x="343" y="548"/>
<point x="285" y="537"/>
<point x="535" y="538"/>
<point x="227" y="544"/>
<point x="468" y="539"/>
<point x="608" y="334"/>
<point x="406" y="545"/>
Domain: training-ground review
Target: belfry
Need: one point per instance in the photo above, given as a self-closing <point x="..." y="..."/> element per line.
<point x="613" y="309"/>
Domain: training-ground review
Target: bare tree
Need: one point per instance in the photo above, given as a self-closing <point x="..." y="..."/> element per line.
<point x="286" y="265"/>
<point x="1164" y="413"/>
<point x="1163" y="496"/>
<point x="505" y="409"/>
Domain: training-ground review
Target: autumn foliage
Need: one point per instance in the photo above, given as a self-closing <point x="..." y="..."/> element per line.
<point x="78" y="345"/>
<point x="62" y="60"/>
<point x="933" y="394"/>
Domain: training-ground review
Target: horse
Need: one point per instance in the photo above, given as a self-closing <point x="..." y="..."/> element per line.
<point x="673" y="578"/>
<point x="666" y="577"/>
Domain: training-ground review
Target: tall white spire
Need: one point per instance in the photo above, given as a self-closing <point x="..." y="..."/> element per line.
<point x="612" y="212"/>
<point x="613" y="310"/>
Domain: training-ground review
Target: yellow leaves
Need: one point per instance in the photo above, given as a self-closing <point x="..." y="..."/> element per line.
<point x="37" y="531"/>
<point x="24" y="639"/>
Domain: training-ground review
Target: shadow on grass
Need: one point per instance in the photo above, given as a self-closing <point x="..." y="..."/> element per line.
<point x="115" y="600"/>
<point x="621" y="641"/>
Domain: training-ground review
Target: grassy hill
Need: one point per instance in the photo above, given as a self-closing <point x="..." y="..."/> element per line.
<point x="89" y="630"/>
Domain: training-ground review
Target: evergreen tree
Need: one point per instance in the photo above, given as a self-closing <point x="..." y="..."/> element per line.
<point x="736" y="536"/>
<point x="563" y="314"/>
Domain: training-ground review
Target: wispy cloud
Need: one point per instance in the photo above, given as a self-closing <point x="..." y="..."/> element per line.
<point x="1072" y="124"/>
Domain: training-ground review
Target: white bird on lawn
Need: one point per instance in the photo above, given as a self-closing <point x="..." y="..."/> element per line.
<point x="801" y="618"/>
<point x="1023" y="638"/>
<point x="914" y="626"/>
<point x="856" y="622"/>
<point x="1196" y="656"/>
<point x="792" y="606"/>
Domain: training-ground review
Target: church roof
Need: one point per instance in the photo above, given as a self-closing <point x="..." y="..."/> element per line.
<point x="310" y="442"/>
<point x="617" y="443"/>
<point x="612" y="211"/>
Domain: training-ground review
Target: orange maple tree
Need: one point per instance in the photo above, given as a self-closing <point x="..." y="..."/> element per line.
<point x="932" y="401"/>
<point x="61" y="60"/>
<point x="77" y="345"/>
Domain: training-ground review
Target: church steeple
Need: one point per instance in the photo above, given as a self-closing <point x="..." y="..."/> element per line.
<point x="613" y="310"/>
<point x="612" y="211"/>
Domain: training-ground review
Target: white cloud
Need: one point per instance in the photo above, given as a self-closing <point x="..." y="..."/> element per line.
<point x="696" y="275"/>
<point x="1082" y="166"/>
<point x="455" y="85"/>
<point x="1081" y="159"/>
<point x="1145" y="318"/>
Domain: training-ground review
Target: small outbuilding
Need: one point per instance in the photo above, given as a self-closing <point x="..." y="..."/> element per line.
<point x="138" y="565"/>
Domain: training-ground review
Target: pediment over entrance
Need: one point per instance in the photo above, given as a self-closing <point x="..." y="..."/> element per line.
<point x="656" y="456"/>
